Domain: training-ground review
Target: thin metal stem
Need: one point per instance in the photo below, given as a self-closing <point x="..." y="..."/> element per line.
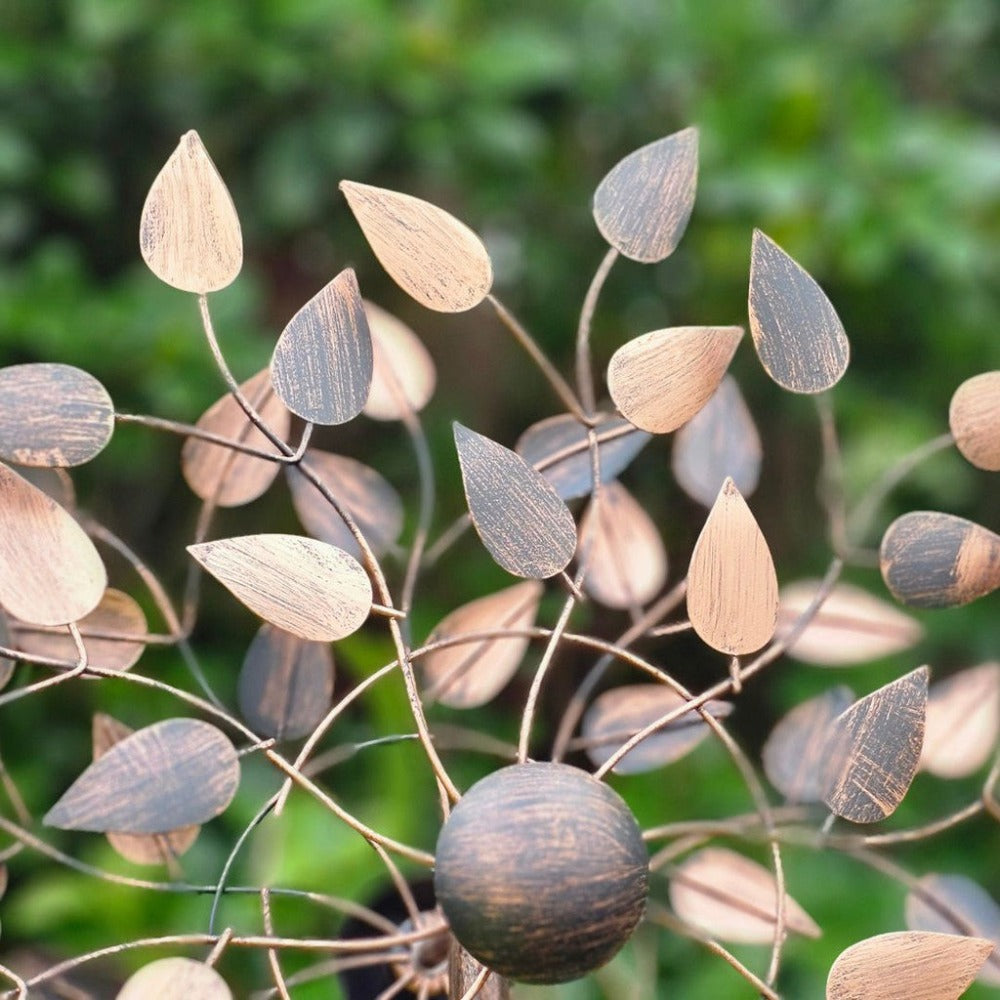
<point x="584" y="367"/>
<point x="272" y="955"/>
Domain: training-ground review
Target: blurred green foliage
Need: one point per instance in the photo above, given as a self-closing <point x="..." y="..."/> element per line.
<point x="862" y="136"/>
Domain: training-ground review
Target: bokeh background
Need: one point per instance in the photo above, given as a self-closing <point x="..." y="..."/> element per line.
<point x="862" y="136"/>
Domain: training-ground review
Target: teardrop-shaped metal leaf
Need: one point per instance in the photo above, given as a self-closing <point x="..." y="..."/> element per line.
<point x="140" y="849"/>
<point x="720" y="440"/>
<point x="907" y="965"/>
<point x="733" y="898"/>
<point x="522" y="522"/>
<point x="643" y="204"/>
<point x="934" y="560"/>
<point x="851" y="626"/>
<point x="874" y="749"/>
<point x="189" y="233"/>
<point x="50" y="572"/>
<point x="623" y="553"/>
<point x="322" y="364"/>
<point x="472" y="674"/>
<point x="954" y="904"/>
<point x="798" y="335"/>
<point x="6" y="664"/>
<point x="432" y="256"/>
<point x="113" y="634"/>
<point x="732" y="595"/>
<point x="175" y="979"/>
<point x="231" y="478"/>
<point x="660" y="380"/>
<point x="286" y="684"/>
<point x="404" y="376"/>
<point x="963" y="722"/>
<point x="168" y="775"/>
<point x="370" y="500"/>
<point x="304" y="586"/>
<point x="974" y="418"/>
<point x="52" y="415"/>
<point x="558" y="447"/>
<point x="619" y="713"/>
<point x="794" y="755"/>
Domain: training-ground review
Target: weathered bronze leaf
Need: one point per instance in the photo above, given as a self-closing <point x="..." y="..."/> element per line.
<point x="522" y="522"/>
<point x="643" y="204"/>
<point x="189" y="233"/>
<point x="432" y="256"/>
<point x="404" y="376"/>
<point x="974" y="418"/>
<point x="175" y="979"/>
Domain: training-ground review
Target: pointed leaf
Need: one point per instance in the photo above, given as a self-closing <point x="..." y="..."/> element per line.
<point x="720" y="440"/>
<point x="52" y="415"/>
<point x="432" y="256"/>
<point x="974" y="418"/>
<point x="874" y="750"/>
<point x="189" y="234"/>
<point x="175" y="979"/>
<point x="851" y="627"/>
<point x="643" y="204"/>
<point x="168" y="775"/>
<point x="527" y="529"/>
<point x="660" y="380"/>
<point x="619" y="713"/>
<point x="622" y="550"/>
<point x="286" y="684"/>
<point x="230" y="478"/>
<point x="797" y="333"/>
<point x="50" y="572"/>
<point x="370" y="500"/>
<point x="301" y="585"/>
<point x="404" y="376"/>
<point x="732" y="596"/>
<point x="472" y="674"/>
<point x="932" y="560"/>
<point x="733" y="898"/>
<point x="795" y="754"/>
<point x="322" y="363"/>
<point x="907" y="965"/>
<point x="963" y="722"/>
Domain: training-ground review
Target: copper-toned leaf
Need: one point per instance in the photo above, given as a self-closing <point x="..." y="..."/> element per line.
<point x="231" y="478"/>
<point x="643" y="204"/>
<point x="963" y="722"/>
<point x="660" y="380"/>
<point x="168" y="775"/>
<point x="874" y="750"/>
<point x="933" y="560"/>
<point x="954" y="904"/>
<point x="304" y="586"/>
<point x="720" y="440"/>
<point x="50" y="572"/>
<point x="6" y="664"/>
<point x="907" y="965"/>
<point x="322" y="363"/>
<point x="113" y="634"/>
<point x="175" y="979"/>
<point x="618" y="714"/>
<point x="850" y="627"/>
<point x="797" y="333"/>
<point x="404" y="376"/>
<point x="732" y="596"/>
<point x="733" y="898"/>
<point x="622" y="550"/>
<point x="794" y="756"/>
<point x="140" y="849"/>
<point x="471" y="674"/>
<point x="52" y="414"/>
<point x="189" y="234"/>
<point x="370" y="500"/>
<point x="527" y="529"/>
<point x="427" y="252"/>
<point x="286" y="683"/>
<point x="558" y="447"/>
<point x="974" y="417"/>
